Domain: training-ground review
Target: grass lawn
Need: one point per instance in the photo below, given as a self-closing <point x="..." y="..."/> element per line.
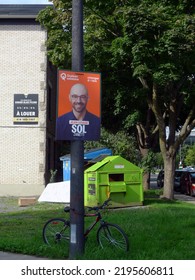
<point x="159" y="230"/>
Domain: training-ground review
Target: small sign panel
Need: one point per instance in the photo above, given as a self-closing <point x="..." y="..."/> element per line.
<point x="25" y="109"/>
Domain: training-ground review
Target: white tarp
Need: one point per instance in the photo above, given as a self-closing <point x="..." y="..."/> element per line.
<point x="56" y="192"/>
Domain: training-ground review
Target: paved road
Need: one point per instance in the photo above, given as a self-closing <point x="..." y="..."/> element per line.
<point x="183" y="197"/>
<point x="153" y="182"/>
<point x="177" y="195"/>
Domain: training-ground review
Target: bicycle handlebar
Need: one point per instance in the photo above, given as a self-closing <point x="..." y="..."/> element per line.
<point x="96" y="208"/>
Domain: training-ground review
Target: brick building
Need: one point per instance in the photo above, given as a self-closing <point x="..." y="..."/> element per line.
<point x="27" y="103"/>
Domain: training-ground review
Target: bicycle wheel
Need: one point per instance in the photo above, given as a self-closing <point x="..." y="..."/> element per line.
<point x="111" y="235"/>
<point x="56" y="231"/>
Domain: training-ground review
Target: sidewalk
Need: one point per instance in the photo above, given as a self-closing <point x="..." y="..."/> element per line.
<point x="14" y="256"/>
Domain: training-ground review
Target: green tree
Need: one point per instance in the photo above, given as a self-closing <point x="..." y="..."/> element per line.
<point x="160" y="36"/>
<point x="158" y="42"/>
<point x="145" y="51"/>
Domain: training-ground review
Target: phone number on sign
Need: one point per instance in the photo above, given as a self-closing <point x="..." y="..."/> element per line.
<point x="143" y="270"/>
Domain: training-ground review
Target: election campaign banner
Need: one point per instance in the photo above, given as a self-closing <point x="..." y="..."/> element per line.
<point x="78" y="106"/>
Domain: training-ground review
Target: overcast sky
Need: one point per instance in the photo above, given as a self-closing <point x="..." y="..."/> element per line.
<point x="24" y="2"/>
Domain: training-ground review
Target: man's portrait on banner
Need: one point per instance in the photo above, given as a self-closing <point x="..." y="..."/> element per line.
<point x="78" y="106"/>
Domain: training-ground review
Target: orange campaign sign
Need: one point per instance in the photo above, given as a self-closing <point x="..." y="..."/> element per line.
<point x="79" y="106"/>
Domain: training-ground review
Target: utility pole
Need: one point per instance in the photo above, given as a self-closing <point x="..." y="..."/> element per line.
<point x="77" y="146"/>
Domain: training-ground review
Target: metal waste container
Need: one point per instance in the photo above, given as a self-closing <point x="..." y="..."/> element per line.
<point x="116" y="178"/>
<point x="88" y="155"/>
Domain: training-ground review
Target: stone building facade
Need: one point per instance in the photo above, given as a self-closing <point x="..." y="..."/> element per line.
<point x="27" y="146"/>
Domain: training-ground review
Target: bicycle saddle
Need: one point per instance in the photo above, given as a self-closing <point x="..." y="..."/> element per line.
<point x="67" y="209"/>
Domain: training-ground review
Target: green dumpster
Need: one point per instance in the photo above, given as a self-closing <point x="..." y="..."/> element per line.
<point x="116" y="178"/>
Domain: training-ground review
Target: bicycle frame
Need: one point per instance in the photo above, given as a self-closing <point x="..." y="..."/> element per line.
<point x="97" y="214"/>
<point x="99" y="217"/>
<point x="108" y="234"/>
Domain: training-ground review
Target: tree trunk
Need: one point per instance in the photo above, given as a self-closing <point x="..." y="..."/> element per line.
<point x="169" y="173"/>
<point x="146" y="181"/>
<point x="146" y="175"/>
<point x="142" y="139"/>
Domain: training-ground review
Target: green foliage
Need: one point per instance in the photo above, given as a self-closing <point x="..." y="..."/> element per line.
<point x="162" y="39"/>
<point x="159" y="160"/>
<point x="149" y="162"/>
<point x="58" y="25"/>
<point x="120" y="143"/>
<point x="122" y="39"/>
<point x="154" y="39"/>
<point x="190" y="156"/>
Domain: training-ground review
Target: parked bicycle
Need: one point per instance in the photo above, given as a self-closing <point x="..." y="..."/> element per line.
<point x="57" y="230"/>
